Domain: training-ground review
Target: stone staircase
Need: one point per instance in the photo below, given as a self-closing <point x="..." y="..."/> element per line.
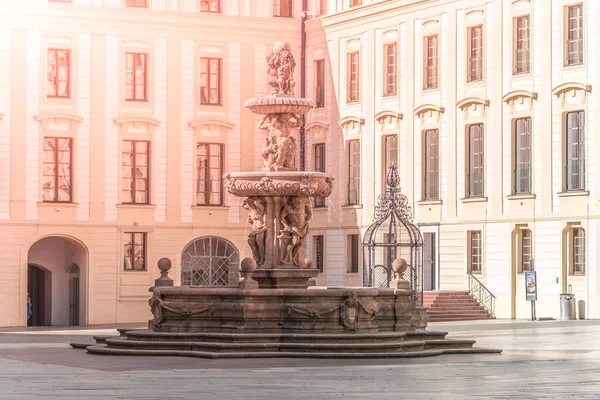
<point x="453" y="306"/>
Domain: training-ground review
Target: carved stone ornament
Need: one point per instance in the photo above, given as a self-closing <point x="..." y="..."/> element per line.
<point x="350" y="310"/>
<point x="158" y="308"/>
<point x="294" y="217"/>
<point x="280" y="68"/>
<point x="279" y="150"/>
<point x="257" y="219"/>
<point x="307" y="184"/>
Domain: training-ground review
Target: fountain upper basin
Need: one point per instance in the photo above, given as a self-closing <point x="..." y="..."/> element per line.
<point x="279" y="183"/>
<point x="279" y="105"/>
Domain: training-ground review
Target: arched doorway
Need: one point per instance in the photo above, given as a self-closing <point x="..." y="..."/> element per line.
<point x="210" y="260"/>
<point x="54" y="281"/>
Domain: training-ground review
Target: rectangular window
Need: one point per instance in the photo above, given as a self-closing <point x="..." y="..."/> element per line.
<point x="475" y="61"/>
<point x="210" y="6"/>
<point x="575" y="151"/>
<point x="391" y="67"/>
<point x="353" y="77"/>
<point x="57" y="172"/>
<point x="522" y="170"/>
<point x="354" y="3"/>
<point x="320" y="83"/>
<point x="522" y="45"/>
<point x="58" y="72"/>
<point x="431" y="164"/>
<point x="135" y="251"/>
<point x="137" y="3"/>
<point x="135" y="167"/>
<point x="320" y="167"/>
<point x="353" y="171"/>
<point x="353" y="250"/>
<point x="136" y="77"/>
<point x="390" y="152"/>
<point x="210" y="81"/>
<point x="476" y="161"/>
<point x="209" y="190"/>
<point x="574" y="42"/>
<point x="282" y="8"/>
<point x="319" y="252"/>
<point x="431" y="62"/>
<point x="525" y="254"/>
<point x="578" y="251"/>
<point x="323" y="7"/>
<point x="475" y="255"/>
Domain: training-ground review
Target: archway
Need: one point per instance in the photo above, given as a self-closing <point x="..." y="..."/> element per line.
<point x="55" y="266"/>
<point x="210" y="260"/>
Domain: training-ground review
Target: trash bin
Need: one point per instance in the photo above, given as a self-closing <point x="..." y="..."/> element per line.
<point x="567" y="307"/>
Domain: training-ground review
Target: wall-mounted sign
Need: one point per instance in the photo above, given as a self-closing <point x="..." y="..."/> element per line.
<point x="530" y="286"/>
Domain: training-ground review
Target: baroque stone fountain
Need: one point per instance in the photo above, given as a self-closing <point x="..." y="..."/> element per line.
<point x="272" y="312"/>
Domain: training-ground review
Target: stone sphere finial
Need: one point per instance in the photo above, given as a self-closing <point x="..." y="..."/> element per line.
<point x="164" y="264"/>
<point x="399" y="266"/>
<point x="248" y="265"/>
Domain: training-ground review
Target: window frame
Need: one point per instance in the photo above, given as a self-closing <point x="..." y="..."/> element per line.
<point x="525" y="241"/>
<point x="57" y="50"/>
<point x="355" y="3"/>
<point x="144" y="252"/>
<point x="516" y="159"/>
<point x="128" y="4"/>
<point x="573" y="245"/>
<point x="56" y="169"/>
<point x="209" y="88"/>
<point x="434" y="67"/>
<point x="320" y="83"/>
<point x="353" y="179"/>
<point x="209" y="181"/>
<point x="133" y="169"/>
<point x="473" y="59"/>
<point x="471" y="156"/>
<point x="426" y="195"/>
<point x="517" y="48"/>
<point x="349" y="82"/>
<point x="390" y="79"/>
<point x="581" y="167"/>
<point x="134" y="82"/>
<point x="319" y="252"/>
<point x="353" y="253"/>
<point x="477" y="236"/>
<point x="277" y="4"/>
<point x="320" y="156"/>
<point x="580" y="59"/>
<point x="219" y="7"/>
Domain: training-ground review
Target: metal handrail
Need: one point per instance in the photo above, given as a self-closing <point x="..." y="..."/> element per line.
<point x="482" y="294"/>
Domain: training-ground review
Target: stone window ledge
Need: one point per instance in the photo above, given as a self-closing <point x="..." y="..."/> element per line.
<point x="56" y="204"/>
<point x="575" y="193"/>
<point x="210" y="207"/>
<point x="430" y="202"/>
<point x="352" y="206"/>
<point x="481" y="199"/>
<point x="140" y="206"/>
<point x="523" y="196"/>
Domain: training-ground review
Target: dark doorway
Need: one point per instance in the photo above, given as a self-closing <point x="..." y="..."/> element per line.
<point x="429" y="261"/>
<point x="39" y="288"/>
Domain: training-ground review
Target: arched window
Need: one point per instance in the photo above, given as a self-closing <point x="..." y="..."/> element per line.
<point x="210" y="260"/>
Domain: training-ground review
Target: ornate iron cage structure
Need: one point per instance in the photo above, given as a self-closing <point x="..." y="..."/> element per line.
<point x="393" y="235"/>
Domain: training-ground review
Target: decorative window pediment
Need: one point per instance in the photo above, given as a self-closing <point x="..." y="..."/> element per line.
<point x="429" y="113"/>
<point x="350" y="121"/>
<point x="473" y="106"/>
<point x="573" y="90"/>
<point x="520" y="98"/>
<point x="316" y="125"/>
<point x="210" y="126"/>
<point x="58" y="119"/>
<point x="388" y="116"/>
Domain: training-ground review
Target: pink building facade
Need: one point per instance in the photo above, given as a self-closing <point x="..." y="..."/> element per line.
<point x="118" y="118"/>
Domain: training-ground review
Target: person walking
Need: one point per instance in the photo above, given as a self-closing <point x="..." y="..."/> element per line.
<point x="29" y="307"/>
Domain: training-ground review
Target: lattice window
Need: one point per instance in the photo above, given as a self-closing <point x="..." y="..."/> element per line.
<point x="57" y="172"/>
<point x="210" y="6"/>
<point x="209" y="260"/>
<point x="431" y="165"/>
<point x="59" y="72"/>
<point x="522" y="169"/>
<point x="136" y="77"/>
<point x="320" y="167"/>
<point x="320" y="83"/>
<point x="522" y="57"/>
<point x="575" y="151"/>
<point x="391" y="69"/>
<point x="210" y="81"/>
<point x="574" y="43"/>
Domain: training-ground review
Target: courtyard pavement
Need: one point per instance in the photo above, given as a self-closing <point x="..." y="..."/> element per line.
<point x="540" y="360"/>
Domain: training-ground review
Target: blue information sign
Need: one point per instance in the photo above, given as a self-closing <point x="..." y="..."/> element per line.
<point x="530" y="286"/>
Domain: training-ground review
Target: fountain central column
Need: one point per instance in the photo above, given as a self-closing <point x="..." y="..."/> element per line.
<point x="278" y="199"/>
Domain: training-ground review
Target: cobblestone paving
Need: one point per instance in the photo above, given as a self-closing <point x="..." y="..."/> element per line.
<point x="542" y="360"/>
